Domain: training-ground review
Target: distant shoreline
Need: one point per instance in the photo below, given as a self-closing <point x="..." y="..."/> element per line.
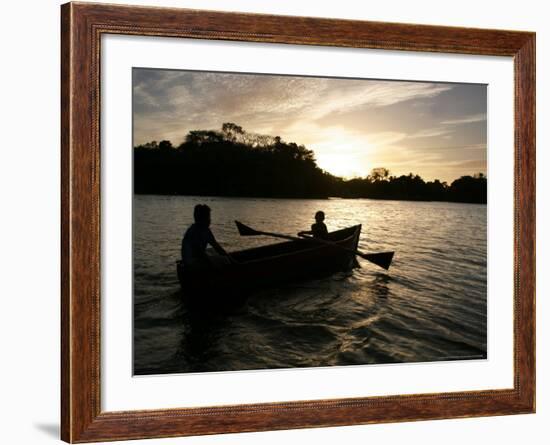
<point x="324" y="198"/>
<point x="232" y="162"/>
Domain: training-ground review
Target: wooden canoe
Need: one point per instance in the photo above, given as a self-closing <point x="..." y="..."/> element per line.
<point x="272" y="265"/>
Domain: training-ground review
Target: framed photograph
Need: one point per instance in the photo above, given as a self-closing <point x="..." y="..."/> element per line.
<point x="274" y="222"/>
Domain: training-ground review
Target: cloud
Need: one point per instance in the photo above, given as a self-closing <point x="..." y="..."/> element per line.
<point x="467" y="120"/>
<point x="430" y="133"/>
<point x="198" y="99"/>
<point x="352" y="125"/>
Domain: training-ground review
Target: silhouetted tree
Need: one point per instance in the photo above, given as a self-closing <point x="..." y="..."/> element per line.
<point x="165" y="145"/>
<point x="232" y="132"/>
<point x="469" y="189"/>
<point x="379" y="173"/>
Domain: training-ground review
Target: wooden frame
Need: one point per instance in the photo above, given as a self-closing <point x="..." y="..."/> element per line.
<point x="82" y="26"/>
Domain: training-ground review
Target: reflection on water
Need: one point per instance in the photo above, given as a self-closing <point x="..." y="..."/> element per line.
<point x="431" y="304"/>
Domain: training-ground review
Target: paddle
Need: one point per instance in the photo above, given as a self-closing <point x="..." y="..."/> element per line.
<point x="382" y="259"/>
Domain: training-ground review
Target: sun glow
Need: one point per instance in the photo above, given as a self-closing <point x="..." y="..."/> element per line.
<point x="346" y="166"/>
<point x="352" y="155"/>
<point x="337" y="150"/>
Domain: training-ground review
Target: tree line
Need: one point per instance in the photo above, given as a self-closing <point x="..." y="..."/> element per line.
<point x="235" y="163"/>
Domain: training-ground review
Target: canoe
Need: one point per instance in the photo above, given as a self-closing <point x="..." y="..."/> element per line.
<point x="272" y="265"/>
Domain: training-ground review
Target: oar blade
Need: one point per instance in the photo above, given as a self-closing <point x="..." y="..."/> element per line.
<point x="382" y="259"/>
<point x="244" y="230"/>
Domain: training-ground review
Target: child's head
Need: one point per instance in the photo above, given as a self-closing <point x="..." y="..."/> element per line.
<point x="320" y="216"/>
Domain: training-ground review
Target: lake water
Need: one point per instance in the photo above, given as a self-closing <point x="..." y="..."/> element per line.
<point x="430" y="306"/>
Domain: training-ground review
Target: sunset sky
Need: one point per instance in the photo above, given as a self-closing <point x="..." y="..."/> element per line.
<point x="436" y="130"/>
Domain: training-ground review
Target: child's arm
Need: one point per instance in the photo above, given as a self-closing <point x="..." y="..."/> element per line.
<point x="305" y="232"/>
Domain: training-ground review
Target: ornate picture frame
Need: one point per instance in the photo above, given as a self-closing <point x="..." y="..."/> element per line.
<point x="83" y="25"/>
